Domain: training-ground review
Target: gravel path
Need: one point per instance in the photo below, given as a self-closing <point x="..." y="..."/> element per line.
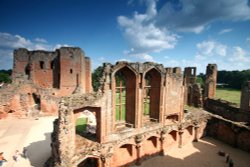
<point x="33" y="134"/>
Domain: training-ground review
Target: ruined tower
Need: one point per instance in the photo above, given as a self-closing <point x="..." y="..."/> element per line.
<point x="40" y="78"/>
<point x="189" y="80"/>
<point x="211" y="80"/>
<point x="245" y="97"/>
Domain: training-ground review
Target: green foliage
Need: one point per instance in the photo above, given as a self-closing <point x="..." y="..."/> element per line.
<point x="120" y="106"/>
<point x="231" y="95"/>
<point x="234" y="79"/>
<point x="5" y="76"/>
<point x="81" y="125"/>
<point x="96" y="76"/>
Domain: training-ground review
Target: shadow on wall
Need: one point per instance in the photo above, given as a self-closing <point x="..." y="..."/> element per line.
<point x="39" y="152"/>
<point x="202" y="154"/>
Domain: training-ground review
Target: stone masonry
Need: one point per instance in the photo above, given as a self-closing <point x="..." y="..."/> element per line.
<point x="211" y="80"/>
<point x="245" y="97"/>
<point x="139" y="134"/>
<point x="193" y="91"/>
<point x="40" y="78"/>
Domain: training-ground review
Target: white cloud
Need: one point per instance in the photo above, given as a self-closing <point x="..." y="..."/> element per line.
<point x="13" y="41"/>
<point x="194" y="16"/>
<point x="239" y="55"/>
<point x="41" y="40"/>
<point x="57" y="46"/>
<point x="230" y="58"/>
<point x="210" y="48"/>
<point x="143" y="35"/>
<point x="155" y="29"/>
<point x="9" y="42"/>
<point x="225" y="31"/>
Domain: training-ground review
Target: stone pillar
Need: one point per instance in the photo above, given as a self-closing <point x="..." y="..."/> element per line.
<point x="138" y="140"/>
<point x="138" y="154"/>
<point x="162" y="139"/>
<point x="196" y="137"/>
<point x="211" y="80"/>
<point x="180" y="138"/>
<point x="245" y="97"/>
<point x="105" y="160"/>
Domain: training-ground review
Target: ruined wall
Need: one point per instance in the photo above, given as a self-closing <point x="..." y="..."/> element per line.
<point x="71" y="60"/>
<point x="229" y="132"/>
<point x="40" y="69"/>
<point x="193" y="91"/>
<point x="211" y="80"/>
<point x="245" y="97"/>
<point x="117" y="143"/>
<point x="226" y="110"/>
<point x="41" y="77"/>
<point x="88" y="75"/>
<point x="189" y="75"/>
<point x="174" y="93"/>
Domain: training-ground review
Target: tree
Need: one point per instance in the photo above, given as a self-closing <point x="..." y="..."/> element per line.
<point x="5" y="76"/>
<point x="96" y="76"/>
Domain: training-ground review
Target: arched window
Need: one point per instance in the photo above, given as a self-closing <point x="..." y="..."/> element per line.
<point x="125" y="83"/>
<point x="120" y="96"/>
<point x="146" y="99"/>
<point x="151" y="98"/>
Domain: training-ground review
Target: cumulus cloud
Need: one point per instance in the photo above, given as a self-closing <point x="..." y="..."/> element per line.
<point x="143" y="35"/>
<point x="225" y="31"/>
<point x="209" y="51"/>
<point x="9" y="42"/>
<point x="156" y="29"/>
<point x="227" y="58"/>
<point x="41" y="40"/>
<point x="211" y="48"/>
<point x="194" y="16"/>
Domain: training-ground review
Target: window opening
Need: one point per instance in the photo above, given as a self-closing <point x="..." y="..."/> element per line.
<point x="120" y="90"/>
<point x="42" y="64"/>
<point x="52" y="65"/>
<point x="146" y="99"/>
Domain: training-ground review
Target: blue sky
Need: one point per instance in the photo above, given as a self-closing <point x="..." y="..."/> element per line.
<point x="171" y="32"/>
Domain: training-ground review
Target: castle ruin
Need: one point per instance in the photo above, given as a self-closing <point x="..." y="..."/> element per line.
<point x="137" y="113"/>
<point x="40" y="78"/>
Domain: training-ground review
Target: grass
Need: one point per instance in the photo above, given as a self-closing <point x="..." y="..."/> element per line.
<point x="81" y="125"/>
<point x="123" y="106"/>
<point x="122" y="117"/>
<point x="231" y="95"/>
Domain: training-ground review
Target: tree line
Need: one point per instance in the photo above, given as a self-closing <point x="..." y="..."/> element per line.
<point x="230" y="79"/>
<point x="5" y="76"/>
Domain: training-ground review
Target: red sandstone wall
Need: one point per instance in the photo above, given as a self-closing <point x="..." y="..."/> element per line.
<point x="174" y="97"/>
<point x="124" y="155"/>
<point x="88" y="76"/>
<point x="43" y="78"/>
<point x="229" y="133"/>
<point x="150" y="146"/>
<point x="49" y="107"/>
<point x="171" y="141"/>
<point x="188" y="135"/>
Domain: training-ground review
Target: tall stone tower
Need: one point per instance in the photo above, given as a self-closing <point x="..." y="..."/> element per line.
<point x="211" y="80"/>
<point x="245" y="97"/>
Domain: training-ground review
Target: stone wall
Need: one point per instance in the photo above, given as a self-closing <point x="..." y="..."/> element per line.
<point x="245" y="97"/>
<point x="40" y="78"/>
<point x="227" y="110"/>
<point x="193" y="92"/>
<point x="211" y="80"/>
<point x="234" y="134"/>
<point x="128" y="141"/>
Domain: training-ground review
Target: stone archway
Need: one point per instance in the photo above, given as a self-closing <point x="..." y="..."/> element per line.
<point x="89" y="162"/>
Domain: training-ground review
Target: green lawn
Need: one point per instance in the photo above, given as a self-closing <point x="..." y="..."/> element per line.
<point x="231" y="95"/>
<point x="81" y="125"/>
